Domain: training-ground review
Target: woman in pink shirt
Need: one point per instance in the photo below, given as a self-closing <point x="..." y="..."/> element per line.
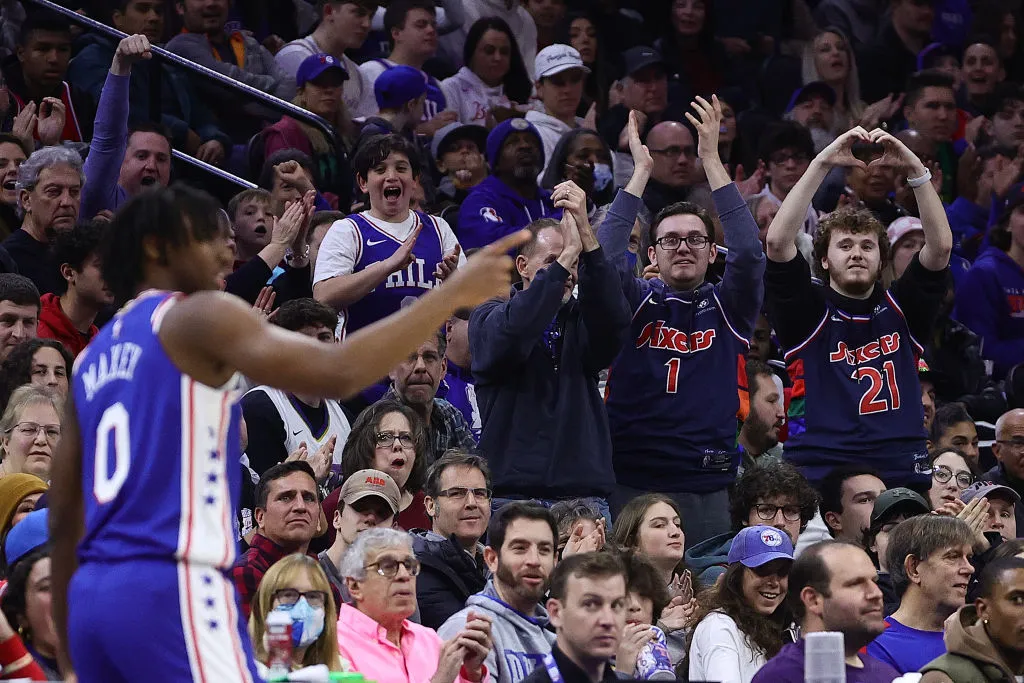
<point x="374" y="632"/>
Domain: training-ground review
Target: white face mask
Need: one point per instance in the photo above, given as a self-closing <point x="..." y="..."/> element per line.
<point x="602" y="176"/>
<point x="307" y="623"/>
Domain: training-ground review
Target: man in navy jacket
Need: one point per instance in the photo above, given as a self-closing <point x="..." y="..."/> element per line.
<point x="536" y="359"/>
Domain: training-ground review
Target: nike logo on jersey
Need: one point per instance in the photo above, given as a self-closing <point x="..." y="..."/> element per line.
<point x="659" y="336"/>
<point x="886" y="345"/>
<point x="296" y="433"/>
<point x="373" y="243"/>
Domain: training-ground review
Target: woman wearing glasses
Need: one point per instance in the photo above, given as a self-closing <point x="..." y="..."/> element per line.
<point x="951" y="475"/>
<point x="298" y="586"/>
<point x="742" y="620"/>
<point x="380" y="572"/>
<point x="29" y="431"/>
<point x="390" y="437"/>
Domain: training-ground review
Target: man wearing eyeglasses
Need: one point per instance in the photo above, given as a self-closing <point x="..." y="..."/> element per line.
<point x="1009" y="451"/>
<point x="374" y="632"/>
<point x="673" y="423"/>
<point x="674" y="173"/>
<point x="787" y="149"/>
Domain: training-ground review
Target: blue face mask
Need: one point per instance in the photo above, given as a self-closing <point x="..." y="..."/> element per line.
<point x="602" y="177"/>
<point x="307" y="622"/>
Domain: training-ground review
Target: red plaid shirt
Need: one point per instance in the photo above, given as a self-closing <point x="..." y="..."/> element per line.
<point x="249" y="570"/>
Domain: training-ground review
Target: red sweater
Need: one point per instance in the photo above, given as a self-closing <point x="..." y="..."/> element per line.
<point x="54" y="324"/>
<point x="17" y="662"/>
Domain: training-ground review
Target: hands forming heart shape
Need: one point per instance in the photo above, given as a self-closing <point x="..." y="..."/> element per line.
<point x="860" y="148"/>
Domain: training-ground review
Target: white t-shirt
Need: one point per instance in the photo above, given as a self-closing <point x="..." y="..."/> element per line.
<point x="719" y="652"/>
<point x="340" y="248"/>
<point x="471" y="98"/>
<point x="357" y="92"/>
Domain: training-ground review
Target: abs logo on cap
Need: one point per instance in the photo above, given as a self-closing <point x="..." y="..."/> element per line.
<point x="771" y="538"/>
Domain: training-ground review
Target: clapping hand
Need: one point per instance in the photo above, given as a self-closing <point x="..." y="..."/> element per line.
<point x="50" y="124"/>
<point x="641" y="155"/>
<point x="708" y="127"/>
<point x="448" y="264"/>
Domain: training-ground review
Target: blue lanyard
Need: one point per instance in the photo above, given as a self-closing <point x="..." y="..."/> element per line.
<point x="552" y="666"/>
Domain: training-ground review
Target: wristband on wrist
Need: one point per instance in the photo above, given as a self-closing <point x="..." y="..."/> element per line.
<point x="920" y="180"/>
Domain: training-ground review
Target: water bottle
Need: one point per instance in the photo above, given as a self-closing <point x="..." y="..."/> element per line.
<point x="278" y="640"/>
<point x="653" y="662"/>
<point x="825" y="658"/>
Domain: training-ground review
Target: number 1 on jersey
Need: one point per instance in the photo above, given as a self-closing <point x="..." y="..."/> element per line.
<point x="672" y="383"/>
<point x="870" y="402"/>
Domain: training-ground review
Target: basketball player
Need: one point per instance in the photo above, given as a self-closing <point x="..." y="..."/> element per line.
<point x="147" y="478"/>
<point x="851" y="344"/>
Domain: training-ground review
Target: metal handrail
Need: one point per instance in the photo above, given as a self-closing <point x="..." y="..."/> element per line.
<point x="270" y="101"/>
<point x="213" y="170"/>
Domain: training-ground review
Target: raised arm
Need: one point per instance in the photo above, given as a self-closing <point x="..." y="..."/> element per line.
<point x="344" y="290"/>
<point x="938" y="238"/>
<point x="781" y="238"/>
<point x="708" y="128"/>
<point x="211" y="335"/>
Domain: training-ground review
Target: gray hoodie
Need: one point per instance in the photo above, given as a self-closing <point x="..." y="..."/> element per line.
<point x="520" y="642"/>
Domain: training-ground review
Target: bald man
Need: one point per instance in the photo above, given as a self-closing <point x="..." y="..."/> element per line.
<point x="675" y="177"/>
<point x="1009" y="451"/>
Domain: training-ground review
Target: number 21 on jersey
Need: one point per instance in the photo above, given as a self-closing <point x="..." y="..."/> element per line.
<point x="872" y="401"/>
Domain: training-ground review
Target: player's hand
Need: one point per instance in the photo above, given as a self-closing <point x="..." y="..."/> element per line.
<point x="708" y="127"/>
<point x="633" y="639"/>
<point x="840" y="151"/>
<point x="50" y="124"/>
<point x="641" y="155"/>
<point x="403" y="256"/>
<point x="129" y="51"/>
<point x="448" y="264"/>
<point x="487" y="273"/>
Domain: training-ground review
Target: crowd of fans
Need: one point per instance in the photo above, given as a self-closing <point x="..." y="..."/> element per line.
<point x="690" y="436"/>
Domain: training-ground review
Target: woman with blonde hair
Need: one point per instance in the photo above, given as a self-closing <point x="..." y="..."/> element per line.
<point x="829" y="58"/>
<point x="29" y="431"/>
<point x="298" y="586"/>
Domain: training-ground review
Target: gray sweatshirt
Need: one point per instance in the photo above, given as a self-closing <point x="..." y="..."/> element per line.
<point x="520" y="641"/>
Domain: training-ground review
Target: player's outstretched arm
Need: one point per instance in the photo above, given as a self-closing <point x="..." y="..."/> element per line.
<point x="67" y="522"/>
<point x="938" y="238"/>
<point x="781" y="238"/>
<point x="708" y="127"/>
<point x="211" y="335"/>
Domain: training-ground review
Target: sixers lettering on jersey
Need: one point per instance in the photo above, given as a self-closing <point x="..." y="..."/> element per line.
<point x="417" y="279"/>
<point x="681" y="343"/>
<point x="859" y="375"/>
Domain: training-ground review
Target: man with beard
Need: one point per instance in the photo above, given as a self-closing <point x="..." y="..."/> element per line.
<point x="813" y="107"/>
<point x="760" y="431"/>
<point x="415" y="381"/>
<point x="521" y="554"/>
<point x="13" y="151"/>
<point x="832" y="588"/>
<point x="510" y="197"/>
<point x="49" y="191"/>
<point x="686" y="333"/>
<point x="852" y="344"/>
<point x="142" y="153"/>
<point x="536" y="359"/>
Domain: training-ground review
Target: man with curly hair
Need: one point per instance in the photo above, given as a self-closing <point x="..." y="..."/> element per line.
<point x="773" y="493"/>
<point x="851" y="344"/>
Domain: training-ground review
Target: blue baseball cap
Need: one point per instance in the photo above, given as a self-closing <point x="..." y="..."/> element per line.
<point x="814" y="88"/>
<point x="314" y="66"/>
<point x="32" y="532"/>
<point x="399" y="85"/>
<point x="754" y="546"/>
<point x="496" y="138"/>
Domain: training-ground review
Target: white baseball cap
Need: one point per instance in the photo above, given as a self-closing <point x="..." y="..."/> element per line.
<point x="557" y="58"/>
<point x="901" y="226"/>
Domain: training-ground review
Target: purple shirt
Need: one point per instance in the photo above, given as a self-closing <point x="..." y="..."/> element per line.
<point x="788" y="667"/>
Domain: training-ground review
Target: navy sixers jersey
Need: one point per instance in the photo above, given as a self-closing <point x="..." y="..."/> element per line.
<point x="160" y="450"/>
<point x="679" y="343"/>
<point x="863" y="396"/>
<point x="418" y="278"/>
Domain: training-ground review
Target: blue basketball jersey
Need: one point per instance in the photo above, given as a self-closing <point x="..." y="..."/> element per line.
<point x="671" y="394"/>
<point x="375" y="245"/>
<point x="863" y="396"/>
<point x="160" y="451"/>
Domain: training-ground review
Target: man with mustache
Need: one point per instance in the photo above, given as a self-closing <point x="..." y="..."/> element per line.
<point x="852" y="344"/>
<point x="832" y="588"/>
<point x="760" y="431"/>
<point x="123" y="161"/>
<point x="510" y="197"/>
<point x="521" y="555"/>
<point x="813" y="107"/>
<point x="49" y="193"/>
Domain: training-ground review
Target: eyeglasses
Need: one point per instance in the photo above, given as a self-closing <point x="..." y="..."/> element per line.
<point x="288" y="597"/>
<point x="387" y="439"/>
<point x="460" y="493"/>
<point x="782" y="157"/>
<point x="672" y="242"/>
<point x="388" y="568"/>
<point x="943" y="474"/>
<point x="767" y="512"/>
<point x="674" y="152"/>
<point x="1014" y="445"/>
<point x="30" y="429"/>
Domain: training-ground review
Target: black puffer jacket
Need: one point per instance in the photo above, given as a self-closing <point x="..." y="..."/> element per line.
<point x="448" y="576"/>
